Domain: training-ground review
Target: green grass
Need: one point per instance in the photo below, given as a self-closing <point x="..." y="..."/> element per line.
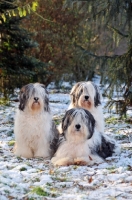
<point x="11" y="143"/>
<point x="23" y="169"/>
<point x="58" y="120"/>
<point x="48" y="184"/>
<point x="39" y="191"/>
<point x="4" y="101"/>
<point x="129" y="168"/>
<point x="110" y="120"/>
<point x="10" y="133"/>
<point x="61" y="179"/>
<point x="114" y="120"/>
<point x="111" y="169"/>
<point x="36" y="180"/>
<point x="6" y="191"/>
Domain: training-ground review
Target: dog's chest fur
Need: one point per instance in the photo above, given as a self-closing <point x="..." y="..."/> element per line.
<point x="74" y="149"/>
<point x="33" y="127"/>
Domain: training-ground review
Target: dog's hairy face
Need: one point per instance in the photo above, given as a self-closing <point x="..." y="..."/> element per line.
<point x="85" y="95"/>
<point x="78" y="125"/>
<point x="34" y="97"/>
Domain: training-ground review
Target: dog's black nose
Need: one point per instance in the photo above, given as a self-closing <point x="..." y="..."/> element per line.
<point x="86" y="97"/>
<point x="78" y="126"/>
<point x="36" y="98"/>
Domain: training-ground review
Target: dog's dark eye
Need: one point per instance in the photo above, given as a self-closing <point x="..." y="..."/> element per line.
<point x="81" y="90"/>
<point x="65" y="127"/>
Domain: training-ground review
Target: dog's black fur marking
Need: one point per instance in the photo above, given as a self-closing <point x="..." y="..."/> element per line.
<point x="90" y="122"/>
<point x="106" y="149"/>
<point x="54" y="142"/>
<point x="66" y="121"/>
<point x="24" y="95"/>
<point x="46" y="99"/>
<point x="46" y="104"/>
<point x="97" y="98"/>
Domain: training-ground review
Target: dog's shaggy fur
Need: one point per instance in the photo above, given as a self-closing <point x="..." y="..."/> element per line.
<point x="87" y="95"/>
<point x="35" y="132"/>
<point x="80" y="142"/>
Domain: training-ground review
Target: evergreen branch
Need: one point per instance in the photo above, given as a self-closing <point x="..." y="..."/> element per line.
<point x="3" y="1"/>
<point x="43" y="17"/>
<point x="94" y="55"/>
<point x="119" y="32"/>
<point x="98" y="13"/>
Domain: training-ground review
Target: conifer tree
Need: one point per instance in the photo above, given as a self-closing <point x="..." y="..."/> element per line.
<point x="115" y="19"/>
<point x="16" y="67"/>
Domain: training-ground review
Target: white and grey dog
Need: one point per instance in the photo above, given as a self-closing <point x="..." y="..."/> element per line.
<point x="87" y="95"/>
<point x="80" y="142"/>
<point x="35" y="132"/>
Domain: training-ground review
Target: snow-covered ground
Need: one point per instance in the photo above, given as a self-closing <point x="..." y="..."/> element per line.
<point x="37" y="179"/>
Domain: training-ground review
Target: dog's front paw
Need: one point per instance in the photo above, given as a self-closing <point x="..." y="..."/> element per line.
<point x="81" y="161"/>
<point x="62" y="161"/>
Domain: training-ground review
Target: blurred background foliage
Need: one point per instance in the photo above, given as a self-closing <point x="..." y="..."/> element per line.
<point x="67" y="40"/>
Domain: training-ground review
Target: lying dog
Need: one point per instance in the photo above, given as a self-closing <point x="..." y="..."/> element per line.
<point x="81" y="143"/>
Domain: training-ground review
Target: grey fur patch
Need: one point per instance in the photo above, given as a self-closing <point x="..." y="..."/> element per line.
<point x="97" y="98"/>
<point x="54" y="141"/>
<point x="24" y="95"/>
<point x="106" y="149"/>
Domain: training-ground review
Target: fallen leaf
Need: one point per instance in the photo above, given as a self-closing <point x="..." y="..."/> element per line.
<point x="90" y="179"/>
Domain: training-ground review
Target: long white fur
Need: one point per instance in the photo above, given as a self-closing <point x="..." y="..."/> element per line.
<point x="77" y="148"/>
<point x="97" y="112"/>
<point x="32" y="128"/>
<point x="71" y="152"/>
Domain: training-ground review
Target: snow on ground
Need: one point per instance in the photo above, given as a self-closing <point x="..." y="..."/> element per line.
<point x="30" y="179"/>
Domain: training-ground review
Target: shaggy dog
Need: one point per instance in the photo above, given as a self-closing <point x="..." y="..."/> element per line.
<point x="80" y="142"/>
<point x="87" y="95"/>
<point x="35" y="132"/>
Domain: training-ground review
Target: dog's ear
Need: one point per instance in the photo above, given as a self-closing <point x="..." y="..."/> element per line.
<point x="73" y="92"/>
<point x="46" y="99"/>
<point x="97" y="98"/>
<point x="90" y="123"/>
<point x="23" y="97"/>
<point x="67" y="120"/>
<point x="64" y="124"/>
<point x="46" y="104"/>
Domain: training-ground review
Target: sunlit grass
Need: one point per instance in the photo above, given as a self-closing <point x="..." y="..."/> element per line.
<point x="40" y="191"/>
<point x="4" y="101"/>
<point x="11" y="143"/>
